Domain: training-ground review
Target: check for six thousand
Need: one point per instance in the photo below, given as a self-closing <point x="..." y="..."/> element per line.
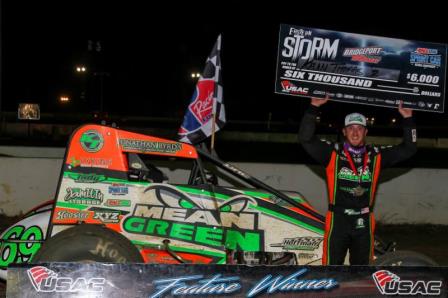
<point x="361" y="69"/>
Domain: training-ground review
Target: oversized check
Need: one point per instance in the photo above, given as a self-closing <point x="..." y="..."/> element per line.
<point x="361" y="69"/>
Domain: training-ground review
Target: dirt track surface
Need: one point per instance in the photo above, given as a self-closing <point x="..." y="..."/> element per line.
<point x="430" y="240"/>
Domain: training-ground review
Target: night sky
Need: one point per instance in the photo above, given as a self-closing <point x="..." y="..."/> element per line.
<point x="149" y="52"/>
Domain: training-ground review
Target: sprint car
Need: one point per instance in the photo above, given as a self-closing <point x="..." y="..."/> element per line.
<point x="113" y="204"/>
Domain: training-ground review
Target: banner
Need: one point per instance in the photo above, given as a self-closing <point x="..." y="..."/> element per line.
<point x="156" y="280"/>
<point x="361" y="69"/>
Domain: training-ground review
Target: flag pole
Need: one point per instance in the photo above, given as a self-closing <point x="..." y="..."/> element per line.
<point x="212" y="144"/>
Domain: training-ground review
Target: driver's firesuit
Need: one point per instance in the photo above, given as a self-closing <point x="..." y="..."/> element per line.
<point x="349" y="223"/>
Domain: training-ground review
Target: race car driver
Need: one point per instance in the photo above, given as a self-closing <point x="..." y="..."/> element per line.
<point x="352" y="170"/>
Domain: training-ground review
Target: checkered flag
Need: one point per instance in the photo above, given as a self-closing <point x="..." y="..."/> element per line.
<point x="205" y="114"/>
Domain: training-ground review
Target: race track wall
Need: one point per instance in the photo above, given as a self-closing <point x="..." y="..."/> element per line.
<point x="415" y="196"/>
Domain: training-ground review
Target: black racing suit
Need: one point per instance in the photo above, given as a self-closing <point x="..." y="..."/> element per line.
<point x="349" y="223"/>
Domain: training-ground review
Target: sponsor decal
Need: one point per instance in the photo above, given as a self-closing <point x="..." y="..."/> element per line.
<point x="202" y="105"/>
<point x="426" y="58"/>
<point x="91" y="141"/>
<point x="87" y="196"/>
<point x="20" y="252"/>
<point x="355" y="212"/>
<point x="204" y="227"/>
<point x="95" y="162"/>
<point x="414" y="135"/>
<point x="367" y="54"/>
<point x="117" y="203"/>
<point x="366" y="59"/>
<point x="307" y="256"/>
<point x="107" y="217"/>
<point x="351" y="190"/>
<point x="302" y="47"/>
<point x="347" y="174"/>
<point x="389" y="283"/>
<point x="355" y="118"/>
<point x="349" y="96"/>
<point x="68" y="214"/>
<point x="74" y="163"/>
<point x="289" y="87"/>
<point x="86" y="178"/>
<point x="105" y="249"/>
<point x="319" y="92"/>
<point x="47" y="281"/>
<point x="174" y="215"/>
<point x="234" y="169"/>
<point x="300" y="243"/>
<point x="117" y="189"/>
<point x="360" y="223"/>
<point x="370" y="51"/>
<point x="426" y="51"/>
<point x="90" y="162"/>
<point x="136" y="165"/>
<point x="147" y="146"/>
<point x="300" y="32"/>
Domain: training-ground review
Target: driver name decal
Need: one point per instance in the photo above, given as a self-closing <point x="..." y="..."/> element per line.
<point x="146" y="146"/>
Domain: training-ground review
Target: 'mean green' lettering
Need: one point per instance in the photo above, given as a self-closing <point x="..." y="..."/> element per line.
<point x="181" y="231"/>
<point x="134" y="225"/>
<point x="249" y="242"/>
<point x="157" y="225"/>
<point x="211" y="236"/>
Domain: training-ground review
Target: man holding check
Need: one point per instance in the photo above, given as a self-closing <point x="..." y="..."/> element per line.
<point x="352" y="169"/>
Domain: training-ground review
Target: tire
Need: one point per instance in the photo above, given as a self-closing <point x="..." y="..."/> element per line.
<point x="87" y="243"/>
<point x="404" y="258"/>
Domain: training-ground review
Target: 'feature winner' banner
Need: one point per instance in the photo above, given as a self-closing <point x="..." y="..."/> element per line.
<point x="361" y="68"/>
<point x="157" y="281"/>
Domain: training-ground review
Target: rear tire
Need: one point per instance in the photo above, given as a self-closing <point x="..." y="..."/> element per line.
<point x="88" y="243"/>
<point x="404" y="258"/>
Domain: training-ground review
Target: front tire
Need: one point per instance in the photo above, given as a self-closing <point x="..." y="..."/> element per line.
<point x="88" y="243"/>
